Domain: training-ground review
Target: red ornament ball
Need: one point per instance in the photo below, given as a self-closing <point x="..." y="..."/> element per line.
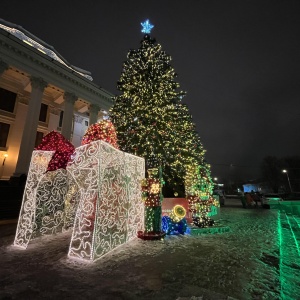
<point x="54" y="141"/>
<point x="104" y="131"/>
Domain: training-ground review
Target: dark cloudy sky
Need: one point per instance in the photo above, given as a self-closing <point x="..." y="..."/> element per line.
<point x="238" y="61"/>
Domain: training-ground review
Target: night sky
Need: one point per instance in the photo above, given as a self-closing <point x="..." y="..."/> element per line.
<point x="238" y="61"/>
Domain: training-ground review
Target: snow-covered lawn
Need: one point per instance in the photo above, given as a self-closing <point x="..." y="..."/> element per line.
<point x="240" y="264"/>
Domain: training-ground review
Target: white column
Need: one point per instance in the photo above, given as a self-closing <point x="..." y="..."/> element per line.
<point x="66" y="129"/>
<point x="30" y="128"/>
<point x="3" y="66"/>
<point x="94" y="110"/>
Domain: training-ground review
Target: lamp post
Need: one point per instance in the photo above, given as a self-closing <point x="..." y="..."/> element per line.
<point x="286" y="172"/>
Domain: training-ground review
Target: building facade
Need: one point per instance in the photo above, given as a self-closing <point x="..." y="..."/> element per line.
<point x="40" y="92"/>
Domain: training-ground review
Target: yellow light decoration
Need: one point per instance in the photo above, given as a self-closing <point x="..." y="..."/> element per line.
<point x="178" y="213"/>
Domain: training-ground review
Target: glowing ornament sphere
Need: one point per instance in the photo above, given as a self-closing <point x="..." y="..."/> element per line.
<point x="104" y="131"/>
<point x="54" y="141"/>
<point x="178" y="213"/>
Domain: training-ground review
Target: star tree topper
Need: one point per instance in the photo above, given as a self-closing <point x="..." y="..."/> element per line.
<point x="147" y="26"/>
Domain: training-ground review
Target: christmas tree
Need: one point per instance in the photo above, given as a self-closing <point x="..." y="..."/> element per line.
<point x="149" y="116"/>
<point x="199" y="187"/>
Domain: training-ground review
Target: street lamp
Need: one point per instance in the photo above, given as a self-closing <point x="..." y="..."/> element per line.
<point x="215" y="181"/>
<point x="286" y="172"/>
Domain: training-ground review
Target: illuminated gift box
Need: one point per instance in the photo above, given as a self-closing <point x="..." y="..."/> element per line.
<point x="42" y="210"/>
<point x="107" y="185"/>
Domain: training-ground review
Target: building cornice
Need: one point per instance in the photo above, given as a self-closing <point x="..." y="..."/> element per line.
<point x="15" y="52"/>
<point x="27" y="37"/>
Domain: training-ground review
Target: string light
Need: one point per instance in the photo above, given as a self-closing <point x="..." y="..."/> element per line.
<point x="104" y="131"/>
<point x="152" y="196"/>
<point x="54" y="141"/>
<point x="199" y="186"/>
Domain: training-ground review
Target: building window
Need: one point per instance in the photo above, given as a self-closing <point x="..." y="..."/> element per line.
<point x="86" y="123"/>
<point x="7" y="100"/>
<point x="38" y="138"/>
<point x="61" y="116"/>
<point x="43" y="112"/>
<point x="4" y="130"/>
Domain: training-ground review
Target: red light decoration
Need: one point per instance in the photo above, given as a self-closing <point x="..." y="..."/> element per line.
<point x="103" y="130"/>
<point x="54" y="141"/>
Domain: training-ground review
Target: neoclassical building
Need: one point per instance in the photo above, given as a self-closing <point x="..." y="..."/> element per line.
<point x="40" y="92"/>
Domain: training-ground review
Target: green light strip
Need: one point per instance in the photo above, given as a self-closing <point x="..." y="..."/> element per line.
<point x="279" y="230"/>
<point x="295" y="239"/>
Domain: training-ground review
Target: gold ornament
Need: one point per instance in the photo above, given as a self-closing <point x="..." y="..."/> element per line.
<point x="154" y="188"/>
<point x="178" y="213"/>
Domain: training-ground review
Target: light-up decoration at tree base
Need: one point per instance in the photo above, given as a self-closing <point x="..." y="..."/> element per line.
<point x="199" y="187"/>
<point x="98" y="195"/>
<point x="110" y="212"/>
<point x="42" y="210"/>
<point x="54" y="141"/>
<point x="152" y="197"/>
<point x="104" y="131"/>
<point x="175" y="223"/>
<point x="173" y="228"/>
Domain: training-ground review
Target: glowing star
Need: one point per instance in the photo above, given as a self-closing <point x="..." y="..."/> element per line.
<point x="147" y="26"/>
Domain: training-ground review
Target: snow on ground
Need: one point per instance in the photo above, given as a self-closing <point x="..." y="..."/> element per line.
<point x="240" y="264"/>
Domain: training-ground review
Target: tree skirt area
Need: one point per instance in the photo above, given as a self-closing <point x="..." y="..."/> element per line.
<point x="242" y="263"/>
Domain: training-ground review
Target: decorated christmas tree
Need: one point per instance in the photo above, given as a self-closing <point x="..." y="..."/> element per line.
<point x="199" y="187"/>
<point x="149" y="116"/>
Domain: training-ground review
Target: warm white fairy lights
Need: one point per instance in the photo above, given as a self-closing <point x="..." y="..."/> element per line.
<point x="99" y="196"/>
<point x="109" y="211"/>
<point x="42" y="210"/>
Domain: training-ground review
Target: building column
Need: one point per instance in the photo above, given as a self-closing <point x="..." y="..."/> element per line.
<point x="30" y="128"/>
<point x="66" y="129"/>
<point x="94" y="110"/>
<point x="3" y="66"/>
